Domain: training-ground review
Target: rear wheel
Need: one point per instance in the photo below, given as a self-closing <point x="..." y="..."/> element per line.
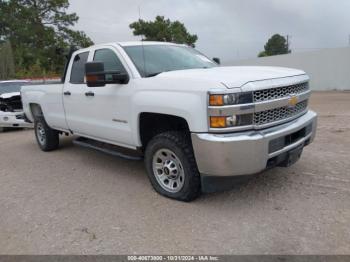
<point x="171" y="166"/>
<point x="47" y="138"/>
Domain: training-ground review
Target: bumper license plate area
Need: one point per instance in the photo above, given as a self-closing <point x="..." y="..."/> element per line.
<point x="281" y="142"/>
<point x="292" y="156"/>
<point x="286" y="159"/>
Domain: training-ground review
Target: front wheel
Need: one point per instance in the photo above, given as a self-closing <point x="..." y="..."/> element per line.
<point x="171" y="166"/>
<point x="47" y="138"/>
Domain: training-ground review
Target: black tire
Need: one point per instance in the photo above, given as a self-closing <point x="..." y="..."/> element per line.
<point x="180" y="144"/>
<point x="47" y="138"/>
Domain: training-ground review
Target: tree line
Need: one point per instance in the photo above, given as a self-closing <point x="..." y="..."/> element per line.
<point x="38" y="31"/>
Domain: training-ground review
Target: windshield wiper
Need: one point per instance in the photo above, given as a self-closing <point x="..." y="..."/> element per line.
<point x="158" y="73"/>
<point x="153" y="74"/>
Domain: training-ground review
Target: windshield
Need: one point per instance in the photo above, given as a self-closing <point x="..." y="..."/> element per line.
<point x="151" y="60"/>
<point x="11" y="87"/>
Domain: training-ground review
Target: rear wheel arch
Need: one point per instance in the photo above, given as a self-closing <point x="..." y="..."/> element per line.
<point x="36" y="111"/>
<point x="47" y="138"/>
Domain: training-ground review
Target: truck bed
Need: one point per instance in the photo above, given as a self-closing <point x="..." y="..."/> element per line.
<point x="49" y="97"/>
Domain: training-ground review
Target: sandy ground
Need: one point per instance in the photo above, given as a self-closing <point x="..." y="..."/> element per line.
<point x="78" y="201"/>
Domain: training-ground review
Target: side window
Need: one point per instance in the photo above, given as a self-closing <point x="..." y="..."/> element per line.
<point x="78" y="69"/>
<point x="110" y="60"/>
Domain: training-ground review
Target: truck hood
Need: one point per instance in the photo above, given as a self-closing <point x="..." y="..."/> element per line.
<point x="234" y="76"/>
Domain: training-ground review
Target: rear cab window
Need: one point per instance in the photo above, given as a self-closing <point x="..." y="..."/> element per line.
<point x="77" y="75"/>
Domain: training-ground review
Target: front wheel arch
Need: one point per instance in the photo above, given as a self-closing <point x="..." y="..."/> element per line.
<point x="153" y="124"/>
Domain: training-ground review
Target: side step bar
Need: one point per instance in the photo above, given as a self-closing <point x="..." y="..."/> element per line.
<point x="109" y="149"/>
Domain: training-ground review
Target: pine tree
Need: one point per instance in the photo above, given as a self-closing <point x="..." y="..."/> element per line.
<point x="37" y="30"/>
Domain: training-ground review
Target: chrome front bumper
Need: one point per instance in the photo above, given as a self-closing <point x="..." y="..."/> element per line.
<point x="249" y="152"/>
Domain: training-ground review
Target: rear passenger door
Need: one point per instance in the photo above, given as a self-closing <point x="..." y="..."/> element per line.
<point x="74" y="99"/>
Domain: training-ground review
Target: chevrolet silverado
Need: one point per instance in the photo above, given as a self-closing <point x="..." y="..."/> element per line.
<point x="196" y="124"/>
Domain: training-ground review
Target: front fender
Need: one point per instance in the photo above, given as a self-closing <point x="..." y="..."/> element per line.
<point x="190" y="106"/>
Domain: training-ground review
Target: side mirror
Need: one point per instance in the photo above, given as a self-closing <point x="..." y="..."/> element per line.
<point x="96" y="76"/>
<point x="217" y="60"/>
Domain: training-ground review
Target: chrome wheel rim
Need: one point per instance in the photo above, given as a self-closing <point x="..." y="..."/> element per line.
<point x="168" y="170"/>
<point x="40" y="133"/>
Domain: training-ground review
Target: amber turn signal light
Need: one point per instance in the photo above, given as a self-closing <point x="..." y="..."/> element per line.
<point x="216" y="100"/>
<point x="217" y="121"/>
<point x="91" y="78"/>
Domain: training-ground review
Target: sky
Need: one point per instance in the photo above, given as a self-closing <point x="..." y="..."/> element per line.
<point x="229" y="29"/>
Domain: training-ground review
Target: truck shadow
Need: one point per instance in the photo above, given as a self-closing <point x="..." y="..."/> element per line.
<point x="268" y="182"/>
<point x="259" y="187"/>
<point x="12" y="129"/>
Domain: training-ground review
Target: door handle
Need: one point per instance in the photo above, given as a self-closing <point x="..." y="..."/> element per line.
<point x="90" y="94"/>
<point x="67" y="93"/>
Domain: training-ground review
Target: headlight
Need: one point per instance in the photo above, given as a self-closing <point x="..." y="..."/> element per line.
<point x="231" y="121"/>
<point x="230" y="99"/>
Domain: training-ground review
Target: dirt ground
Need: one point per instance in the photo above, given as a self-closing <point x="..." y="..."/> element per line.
<point x="78" y="201"/>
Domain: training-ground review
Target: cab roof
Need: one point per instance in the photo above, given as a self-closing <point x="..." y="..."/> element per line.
<point x="125" y="44"/>
<point x="138" y="43"/>
<point x="131" y="43"/>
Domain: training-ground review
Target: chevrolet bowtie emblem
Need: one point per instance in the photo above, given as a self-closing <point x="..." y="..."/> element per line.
<point x="293" y="101"/>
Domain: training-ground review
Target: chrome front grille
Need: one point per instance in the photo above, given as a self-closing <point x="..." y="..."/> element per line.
<point x="271" y="102"/>
<point x="278" y="114"/>
<point x="279" y="92"/>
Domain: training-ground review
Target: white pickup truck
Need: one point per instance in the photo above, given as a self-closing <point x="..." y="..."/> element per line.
<point x="197" y="125"/>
